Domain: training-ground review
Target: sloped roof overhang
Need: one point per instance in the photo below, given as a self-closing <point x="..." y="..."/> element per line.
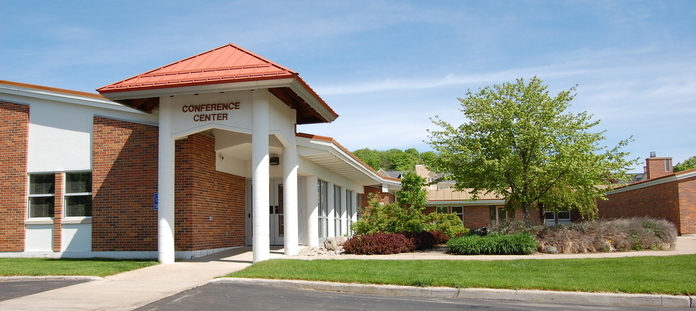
<point x="224" y="69"/>
<point x="338" y="159"/>
<point x="679" y="176"/>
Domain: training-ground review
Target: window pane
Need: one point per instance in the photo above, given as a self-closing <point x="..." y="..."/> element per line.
<point x="511" y="215"/>
<point x="77" y="206"/>
<point x="78" y="182"/>
<point x="549" y="215"/>
<point x="442" y="209"/>
<point x="564" y="215"/>
<point x="459" y="210"/>
<point x="41" y="207"/>
<point x="42" y="183"/>
<point x="349" y="204"/>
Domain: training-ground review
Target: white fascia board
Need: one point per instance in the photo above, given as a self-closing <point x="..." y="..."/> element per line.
<point x="207" y="88"/>
<point x="338" y="152"/>
<point x="66" y="98"/>
<point x="467" y="203"/>
<point x="301" y="91"/>
<point x="654" y="182"/>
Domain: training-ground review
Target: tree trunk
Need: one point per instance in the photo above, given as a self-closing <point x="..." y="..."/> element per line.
<point x="525" y="209"/>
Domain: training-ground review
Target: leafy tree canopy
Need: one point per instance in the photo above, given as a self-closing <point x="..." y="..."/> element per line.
<point x="393" y="159"/>
<point x="521" y="143"/>
<point x="686" y="165"/>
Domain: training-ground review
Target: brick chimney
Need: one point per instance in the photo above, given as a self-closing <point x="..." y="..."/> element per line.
<point x="656" y="167"/>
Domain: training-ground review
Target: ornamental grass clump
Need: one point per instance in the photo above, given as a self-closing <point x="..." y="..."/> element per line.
<point x="493" y="244"/>
<point x="624" y="234"/>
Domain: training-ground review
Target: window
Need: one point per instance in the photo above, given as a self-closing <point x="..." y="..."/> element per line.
<point x="78" y="194"/>
<point x="350" y="210"/>
<point x="459" y="210"/>
<point x="338" y="211"/>
<point x="500" y="215"/>
<point x="323" y="209"/>
<point x="556" y="218"/>
<point x="42" y="188"/>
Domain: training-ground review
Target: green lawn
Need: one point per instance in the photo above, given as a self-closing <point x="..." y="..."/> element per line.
<point x="90" y="267"/>
<point x="655" y="275"/>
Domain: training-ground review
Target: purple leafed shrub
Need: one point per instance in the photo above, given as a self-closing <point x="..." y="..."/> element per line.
<point x="440" y="237"/>
<point x="422" y="240"/>
<point x="379" y="243"/>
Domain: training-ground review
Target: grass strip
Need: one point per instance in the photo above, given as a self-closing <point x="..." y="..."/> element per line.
<point x="89" y="267"/>
<point x="673" y="275"/>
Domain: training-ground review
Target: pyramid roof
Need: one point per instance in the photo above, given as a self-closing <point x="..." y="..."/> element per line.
<point x="225" y="65"/>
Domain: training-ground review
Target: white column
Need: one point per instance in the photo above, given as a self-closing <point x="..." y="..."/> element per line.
<point x="290" y="163"/>
<point x="165" y="186"/>
<point x="312" y="210"/>
<point x="330" y="215"/>
<point x="259" y="161"/>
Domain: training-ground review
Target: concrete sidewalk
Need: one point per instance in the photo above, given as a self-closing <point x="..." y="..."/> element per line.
<point x="133" y="289"/>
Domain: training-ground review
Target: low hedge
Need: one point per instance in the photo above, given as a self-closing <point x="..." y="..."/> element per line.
<point x="379" y="243"/>
<point x="494" y="244"/>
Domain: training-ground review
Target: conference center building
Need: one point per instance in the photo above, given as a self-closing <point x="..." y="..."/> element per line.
<point x="189" y="159"/>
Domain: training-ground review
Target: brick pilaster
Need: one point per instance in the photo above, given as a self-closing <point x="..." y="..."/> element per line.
<point x="14" y="133"/>
<point x="58" y="213"/>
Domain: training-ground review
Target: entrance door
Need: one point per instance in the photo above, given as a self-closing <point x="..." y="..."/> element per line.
<point x="277" y="225"/>
<point x="276" y="211"/>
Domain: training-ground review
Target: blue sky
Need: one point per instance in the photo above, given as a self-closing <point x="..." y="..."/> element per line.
<point x="387" y="67"/>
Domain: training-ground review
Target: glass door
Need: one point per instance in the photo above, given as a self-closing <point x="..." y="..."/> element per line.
<point x="277" y="225"/>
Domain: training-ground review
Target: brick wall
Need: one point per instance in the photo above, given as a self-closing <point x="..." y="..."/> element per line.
<point x="124" y="179"/>
<point x="476" y="217"/>
<point x="14" y="130"/>
<point x="658" y="201"/>
<point x="480" y="216"/>
<point x="210" y="205"/>
<point x="687" y="205"/>
<point x="385" y="198"/>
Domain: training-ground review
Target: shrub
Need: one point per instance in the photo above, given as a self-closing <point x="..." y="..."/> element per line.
<point x="623" y="234"/>
<point x="518" y="226"/>
<point x="440" y="237"/>
<point x="379" y="243"/>
<point x="389" y="218"/>
<point x="422" y="240"/>
<point x="449" y="224"/>
<point x="494" y="244"/>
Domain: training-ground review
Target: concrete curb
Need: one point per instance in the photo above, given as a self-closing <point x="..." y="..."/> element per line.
<point x="50" y="278"/>
<point x="643" y="300"/>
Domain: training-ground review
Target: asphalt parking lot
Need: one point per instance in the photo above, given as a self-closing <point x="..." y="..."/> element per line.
<point x="14" y="289"/>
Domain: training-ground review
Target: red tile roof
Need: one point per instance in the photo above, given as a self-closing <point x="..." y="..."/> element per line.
<point x="228" y="63"/>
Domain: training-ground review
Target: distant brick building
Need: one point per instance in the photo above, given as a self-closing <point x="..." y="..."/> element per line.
<point x="661" y="194"/>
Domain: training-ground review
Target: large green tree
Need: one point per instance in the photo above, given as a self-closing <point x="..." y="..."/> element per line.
<point x="523" y="144"/>
<point x="686" y="165"/>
